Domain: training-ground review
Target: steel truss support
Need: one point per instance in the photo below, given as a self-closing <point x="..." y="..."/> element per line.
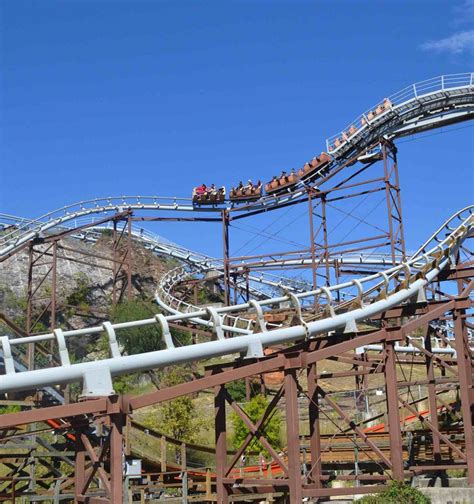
<point x="315" y="470"/>
<point x="391" y="388"/>
<point x="377" y="462"/>
<point x="466" y="390"/>
<point x="226" y="252"/>
<point x="292" y="434"/>
<point x="122" y="259"/>
<point x="319" y="239"/>
<point x="98" y="474"/>
<point x="221" y="444"/>
<point x="44" y="255"/>
<point x="393" y="199"/>
<point x="433" y="405"/>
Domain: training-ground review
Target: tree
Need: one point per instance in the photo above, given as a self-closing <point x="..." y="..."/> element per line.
<point x="177" y="418"/>
<point x="137" y="339"/>
<point x="145" y="338"/>
<point x="255" y="409"/>
<point x="142" y="339"/>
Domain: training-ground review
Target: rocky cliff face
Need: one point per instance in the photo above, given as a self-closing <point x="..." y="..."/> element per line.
<point x="84" y="279"/>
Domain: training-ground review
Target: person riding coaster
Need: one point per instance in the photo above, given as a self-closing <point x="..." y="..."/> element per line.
<point x="208" y="195"/>
<point x="201" y="189"/>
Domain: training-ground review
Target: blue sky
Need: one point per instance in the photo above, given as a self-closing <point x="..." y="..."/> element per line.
<point x="104" y="98"/>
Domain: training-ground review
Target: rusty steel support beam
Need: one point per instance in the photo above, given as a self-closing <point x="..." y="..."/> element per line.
<point x="52" y="320"/>
<point x="225" y="257"/>
<point x="315" y="471"/>
<point x="255" y="430"/>
<point x="29" y="307"/>
<point x="292" y="436"/>
<point x="117" y="422"/>
<point x="115" y="263"/>
<point x="325" y="254"/>
<point x="466" y="390"/>
<point x="313" y="244"/>
<point x="79" y="466"/>
<point x="432" y="396"/>
<point x="425" y="421"/>
<point x="391" y="390"/>
<point x="319" y="252"/>
<point x="393" y="200"/>
<point x="221" y="444"/>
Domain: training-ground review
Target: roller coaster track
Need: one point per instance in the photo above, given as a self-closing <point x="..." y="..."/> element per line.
<point x="198" y="263"/>
<point x="373" y="294"/>
<point x="242" y="328"/>
<point x="425" y="105"/>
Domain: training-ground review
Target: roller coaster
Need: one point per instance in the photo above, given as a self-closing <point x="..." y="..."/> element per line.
<point x="280" y="325"/>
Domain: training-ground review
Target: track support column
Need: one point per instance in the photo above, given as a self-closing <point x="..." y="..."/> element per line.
<point x="315" y="472"/>
<point x="225" y="243"/>
<point x="466" y="390"/>
<point x="396" y="443"/>
<point x="432" y="397"/>
<point x="79" y="467"/>
<point x="221" y="444"/>
<point x="116" y="457"/>
<point x="293" y="437"/>
<point x="393" y="200"/>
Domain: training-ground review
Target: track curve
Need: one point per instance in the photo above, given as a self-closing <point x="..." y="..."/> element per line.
<point x="429" y="104"/>
<point x="373" y="294"/>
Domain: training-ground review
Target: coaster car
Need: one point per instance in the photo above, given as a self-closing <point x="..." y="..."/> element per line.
<point x="282" y="183"/>
<point x="208" y="196"/>
<point x="249" y="192"/>
<point x="310" y="169"/>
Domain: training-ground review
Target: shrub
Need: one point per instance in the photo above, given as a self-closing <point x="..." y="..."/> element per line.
<point x="255" y="409"/>
<point x="396" y="492"/>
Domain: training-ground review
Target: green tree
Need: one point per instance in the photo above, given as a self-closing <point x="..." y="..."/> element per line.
<point x="178" y="415"/>
<point x="176" y="418"/>
<point x="396" y="492"/>
<point x="81" y="295"/>
<point x="237" y="390"/>
<point x="146" y="338"/>
<point x="255" y="409"/>
<point x="137" y="339"/>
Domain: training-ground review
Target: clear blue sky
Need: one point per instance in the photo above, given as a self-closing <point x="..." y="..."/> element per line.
<point x="106" y="98"/>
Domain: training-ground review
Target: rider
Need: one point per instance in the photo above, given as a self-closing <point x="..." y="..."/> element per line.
<point x="249" y="187"/>
<point x="201" y="189"/>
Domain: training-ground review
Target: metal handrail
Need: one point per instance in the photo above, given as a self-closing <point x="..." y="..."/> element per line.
<point x="411" y="96"/>
<point x="407" y="280"/>
<point x="399" y="99"/>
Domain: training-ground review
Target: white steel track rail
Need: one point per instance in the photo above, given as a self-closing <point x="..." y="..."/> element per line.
<point x="425" y="105"/>
<point x="374" y="294"/>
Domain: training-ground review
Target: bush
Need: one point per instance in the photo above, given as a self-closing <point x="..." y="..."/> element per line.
<point x="81" y="295"/>
<point x="146" y="338"/>
<point x="272" y="429"/>
<point x="238" y="392"/>
<point x="137" y="339"/>
<point x="396" y="492"/>
<point x="13" y="408"/>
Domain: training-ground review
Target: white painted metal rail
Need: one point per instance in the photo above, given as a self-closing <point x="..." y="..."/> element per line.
<point x="373" y="294"/>
<point x="428" y="104"/>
